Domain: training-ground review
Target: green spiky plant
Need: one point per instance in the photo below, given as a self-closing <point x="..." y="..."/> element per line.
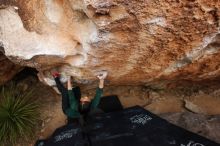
<point x="18" y="115"/>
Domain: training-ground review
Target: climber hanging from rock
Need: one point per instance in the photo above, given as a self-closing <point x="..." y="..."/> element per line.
<point x="75" y="107"/>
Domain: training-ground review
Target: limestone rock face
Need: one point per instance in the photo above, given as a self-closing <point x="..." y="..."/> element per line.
<point x="143" y="42"/>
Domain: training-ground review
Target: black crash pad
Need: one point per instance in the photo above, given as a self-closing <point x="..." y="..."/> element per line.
<point x="130" y="127"/>
<point x="110" y="104"/>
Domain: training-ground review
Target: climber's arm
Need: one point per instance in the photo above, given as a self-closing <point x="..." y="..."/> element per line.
<point x="99" y="91"/>
<point x="101" y="78"/>
<point x="72" y="99"/>
<point x="96" y="99"/>
<point x="101" y="83"/>
<point x="69" y="84"/>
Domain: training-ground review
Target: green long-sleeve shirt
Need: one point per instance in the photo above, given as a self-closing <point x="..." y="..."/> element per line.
<point x="73" y="110"/>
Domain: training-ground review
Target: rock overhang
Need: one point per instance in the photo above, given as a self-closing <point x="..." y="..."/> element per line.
<point x="136" y="42"/>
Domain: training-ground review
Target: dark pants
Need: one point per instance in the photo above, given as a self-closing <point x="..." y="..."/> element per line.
<point x="65" y="97"/>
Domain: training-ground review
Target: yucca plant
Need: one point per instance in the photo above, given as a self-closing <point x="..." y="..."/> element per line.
<point x="18" y="115"/>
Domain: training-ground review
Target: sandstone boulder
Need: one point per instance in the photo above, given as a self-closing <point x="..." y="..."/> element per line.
<point x="138" y="42"/>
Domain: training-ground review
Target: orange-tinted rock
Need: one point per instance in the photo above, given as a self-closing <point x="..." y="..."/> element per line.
<point x="137" y="42"/>
<point x="204" y="104"/>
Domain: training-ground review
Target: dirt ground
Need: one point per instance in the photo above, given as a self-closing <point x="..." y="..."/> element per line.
<point x="197" y="111"/>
